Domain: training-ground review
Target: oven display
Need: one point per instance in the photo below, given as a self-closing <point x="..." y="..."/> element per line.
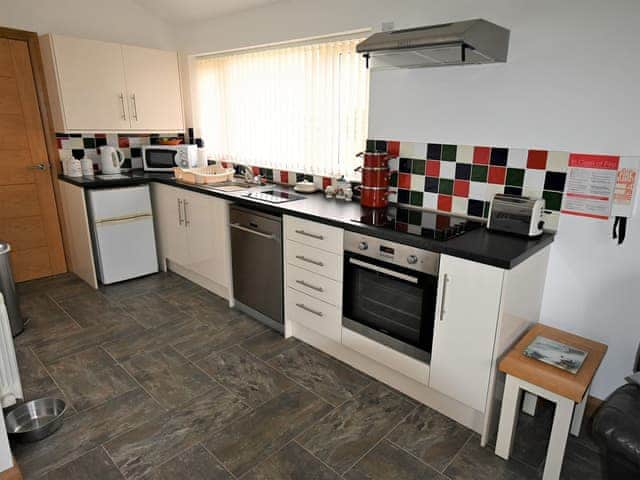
<point x="387" y="251"/>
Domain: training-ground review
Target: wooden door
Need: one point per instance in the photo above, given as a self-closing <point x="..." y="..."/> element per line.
<point x="28" y="214"/>
<point x="153" y="86"/>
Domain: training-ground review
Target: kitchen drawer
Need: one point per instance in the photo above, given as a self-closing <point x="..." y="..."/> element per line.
<point x="314" y="285"/>
<point x="315" y="260"/>
<point x="314" y="234"/>
<point x="313" y="314"/>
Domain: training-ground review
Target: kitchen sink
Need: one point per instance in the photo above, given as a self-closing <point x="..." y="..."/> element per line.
<point x="232" y="186"/>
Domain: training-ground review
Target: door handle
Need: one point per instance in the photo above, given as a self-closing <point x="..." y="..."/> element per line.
<point x="180" y="219"/>
<point x="124" y="109"/>
<point x="187" y="222"/>
<point x="385" y="271"/>
<point x="254" y="232"/>
<point x="310" y="310"/>
<point x="39" y="166"/>
<point x="308" y="285"/>
<point x="308" y="260"/>
<point x="135" y="107"/>
<point x="312" y="235"/>
<point x="445" y="281"/>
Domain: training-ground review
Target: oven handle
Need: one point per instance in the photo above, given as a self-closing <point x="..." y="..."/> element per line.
<point x="386" y="271"/>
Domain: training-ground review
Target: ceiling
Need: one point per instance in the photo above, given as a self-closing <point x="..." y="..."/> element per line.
<point x="185" y="11"/>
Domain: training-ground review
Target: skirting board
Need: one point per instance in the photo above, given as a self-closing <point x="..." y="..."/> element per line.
<point x="13" y="473"/>
<point x="210" y="285"/>
<point x="418" y="391"/>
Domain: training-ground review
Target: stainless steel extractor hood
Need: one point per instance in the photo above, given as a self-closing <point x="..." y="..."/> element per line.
<point x="457" y="43"/>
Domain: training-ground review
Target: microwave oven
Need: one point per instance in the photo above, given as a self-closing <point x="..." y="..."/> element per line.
<point x="162" y="158"/>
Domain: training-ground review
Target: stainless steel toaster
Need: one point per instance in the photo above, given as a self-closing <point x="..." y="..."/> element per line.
<point x="516" y="214"/>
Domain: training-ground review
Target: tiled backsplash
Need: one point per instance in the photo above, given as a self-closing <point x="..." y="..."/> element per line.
<point x="88" y="144"/>
<point x="463" y="178"/>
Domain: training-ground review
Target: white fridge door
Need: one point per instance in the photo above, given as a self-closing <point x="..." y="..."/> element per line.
<point x="126" y="248"/>
<point x="114" y="203"/>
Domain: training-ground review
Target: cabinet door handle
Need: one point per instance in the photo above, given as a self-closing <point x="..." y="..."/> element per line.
<point x="310" y="310"/>
<point x="308" y="285"/>
<point x="187" y="222"/>
<point x="180" y="219"/>
<point x="124" y="109"/>
<point x="135" y="107"/>
<point x="308" y="260"/>
<point x="445" y="280"/>
<point x="312" y="235"/>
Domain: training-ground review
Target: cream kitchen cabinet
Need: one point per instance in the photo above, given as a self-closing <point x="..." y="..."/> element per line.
<point x="193" y="236"/>
<point x="101" y="86"/>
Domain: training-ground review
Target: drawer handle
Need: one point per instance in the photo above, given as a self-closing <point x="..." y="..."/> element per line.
<point x="312" y="235"/>
<point x="308" y="285"/>
<point x="310" y="310"/>
<point x="308" y="260"/>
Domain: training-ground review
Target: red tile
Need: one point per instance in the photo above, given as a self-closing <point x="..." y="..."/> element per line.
<point x="284" y="176"/>
<point x="497" y="175"/>
<point x="445" y="202"/>
<point x="537" y="159"/>
<point x="59" y="143"/>
<point x="123" y="142"/>
<point x="326" y="181"/>
<point x="443" y="222"/>
<point x="401" y="227"/>
<point x="393" y="148"/>
<point x="404" y="181"/>
<point x="433" y="168"/>
<point x="461" y="188"/>
<point x="481" y="155"/>
<point x="255" y="170"/>
<point x="100" y="135"/>
<point x="224" y="164"/>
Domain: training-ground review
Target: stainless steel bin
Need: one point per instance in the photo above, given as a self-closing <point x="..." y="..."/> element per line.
<point x="8" y="289"/>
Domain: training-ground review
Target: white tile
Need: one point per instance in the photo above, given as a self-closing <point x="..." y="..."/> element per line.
<point x="393" y="197"/>
<point x="551" y="220"/>
<point x="534" y="180"/>
<point x="448" y="170"/>
<point x="430" y="201"/>
<point x="417" y="182"/>
<point x="492" y="190"/>
<point x="478" y="190"/>
<point x="413" y="150"/>
<point x="393" y="163"/>
<point x="317" y="181"/>
<point x="292" y="178"/>
<point x="459" y="205"/>
<point x="112" y="139"/>
<point x="137" y="141"/>
<point x="464" y="154"/>
<point x="414" y="229"/>
<point x="557" y="161"/>
<point x="532" y="192"/>
<point x="517" y="158"/>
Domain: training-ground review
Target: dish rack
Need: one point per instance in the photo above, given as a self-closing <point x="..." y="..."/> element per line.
<point x="204" y="175"/>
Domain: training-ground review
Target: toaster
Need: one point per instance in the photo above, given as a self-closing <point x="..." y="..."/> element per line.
<point x="516" y="214"/>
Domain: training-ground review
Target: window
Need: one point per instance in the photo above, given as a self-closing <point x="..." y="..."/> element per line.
<point x="299" y="108"/>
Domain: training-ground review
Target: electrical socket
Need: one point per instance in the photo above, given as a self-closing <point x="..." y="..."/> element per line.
<point x="386" y="26"/>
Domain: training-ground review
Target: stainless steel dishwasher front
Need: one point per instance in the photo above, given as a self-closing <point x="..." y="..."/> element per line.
<point x="256" y="257"/>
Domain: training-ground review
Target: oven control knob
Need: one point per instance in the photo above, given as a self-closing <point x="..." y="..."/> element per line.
<point x="412" y="259"/>
<point x="363" y="246"/>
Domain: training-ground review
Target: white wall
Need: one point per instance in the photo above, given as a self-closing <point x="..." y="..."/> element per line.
<point x="120" y="21"/>
<point x="569" y="84"/>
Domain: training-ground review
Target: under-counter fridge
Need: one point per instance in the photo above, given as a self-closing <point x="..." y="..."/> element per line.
<point x="124" y="243"/>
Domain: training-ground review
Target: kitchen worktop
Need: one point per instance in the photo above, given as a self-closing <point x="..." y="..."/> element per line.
<point x="480" y="245"/>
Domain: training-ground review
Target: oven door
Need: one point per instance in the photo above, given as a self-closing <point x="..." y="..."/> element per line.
<point x="159" y="159"/>
<point x="391" y="305"/>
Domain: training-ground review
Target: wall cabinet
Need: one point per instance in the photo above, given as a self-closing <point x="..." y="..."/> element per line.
<point x="100" y="86"/>
<point x="193" y="236"/>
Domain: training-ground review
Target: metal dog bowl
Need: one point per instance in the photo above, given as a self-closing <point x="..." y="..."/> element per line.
<point x="35" y="420"/>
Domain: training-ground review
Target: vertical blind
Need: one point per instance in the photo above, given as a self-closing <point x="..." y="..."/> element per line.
<point x="299" y="108"/>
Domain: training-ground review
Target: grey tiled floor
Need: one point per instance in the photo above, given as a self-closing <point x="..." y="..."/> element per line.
<point x="163" y="381"/>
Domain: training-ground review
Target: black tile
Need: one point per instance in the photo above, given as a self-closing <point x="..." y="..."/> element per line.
<point x="381" y="145"/>
<point x="126" y="163"/>
<point x="299" y="177"/>
<point x="393" y="179"/>
<point x="89" y="142"/>
<point x="513" y="190"/>
<point x="100" y="142"/>
<point x="475" y="208"/>
<point x="154" y="140"/>
<point x="75" y="135"/>
<point x="402" y="215"/>
<point x="463" y="171"/>
<point x="77" y="153"/>
<point x="434" y="151"/>
<point x="403" y="196"/>
<point x="136" y="152"/>
<point x="555" y="181"/>
<point x="405" y="165"/>
<point x="62" y="135"/>
<point x="499" y="156"/>
<point x="308" y="178"/>
<point x="431" y="184"/>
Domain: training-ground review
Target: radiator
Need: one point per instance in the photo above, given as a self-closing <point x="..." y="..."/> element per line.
<point x="10" y="386"/>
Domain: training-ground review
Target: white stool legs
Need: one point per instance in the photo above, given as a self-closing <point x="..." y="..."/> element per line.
<point x="508" y="417"/>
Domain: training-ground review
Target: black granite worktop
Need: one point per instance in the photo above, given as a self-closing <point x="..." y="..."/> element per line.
<point x="496" y="249"/>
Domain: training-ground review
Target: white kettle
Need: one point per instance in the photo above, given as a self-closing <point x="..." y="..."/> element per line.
<point x="111" y="159"/>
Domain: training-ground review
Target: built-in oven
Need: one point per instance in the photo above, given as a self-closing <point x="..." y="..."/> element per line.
<point x="390" y="293"/>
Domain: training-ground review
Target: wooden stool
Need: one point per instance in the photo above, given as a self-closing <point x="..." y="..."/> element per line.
<point x="568" y="391"/>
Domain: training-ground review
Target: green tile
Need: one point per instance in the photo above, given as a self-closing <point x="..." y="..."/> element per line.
<point x="393" y="179"/>
<point x="486" y="209"/>
<point x="449" y="153"/>
<point x="418" y="166"/>
<point x="553" y="200"/>
<point x="415" y="218"/>
<point x="446" y="186"/>
<point x="416" y="198"/>
<point x="479" y="173"/>
<point x="515" y="177"/>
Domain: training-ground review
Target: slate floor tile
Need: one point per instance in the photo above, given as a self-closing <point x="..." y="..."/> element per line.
<point x="388" y="462"/>
<point x="93" y="309"/>
<point x="36" y="381"/>
<point x="95" y="465"/>
<point x="199" y="464"/>
<point x="580" y="462"/>
<point x="245" y="443"/>
<point x="170" y="378"/>
<point x="327" y="377"/>
<point x="47" y="320"/>
<point x="252" y="380"/>
<point x="57" y="287"/>
<point x="90" y="378"/>
<point x="151" y="310"/>
<point x="269" y="344"/>
<point x="140" y="450"/>
<point x="85" y="431"/>
<point x="349" y="431"/>
<point x="158" y="283"/>
<point x="476" y="463"/>
<point x="430" y="436"/>
<point x="291" y="463"/>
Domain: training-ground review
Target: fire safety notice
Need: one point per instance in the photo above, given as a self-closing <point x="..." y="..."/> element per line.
<point x="590" y="186"/>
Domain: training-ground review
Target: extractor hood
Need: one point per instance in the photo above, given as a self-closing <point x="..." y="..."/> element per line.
<point x="457" y="43"/>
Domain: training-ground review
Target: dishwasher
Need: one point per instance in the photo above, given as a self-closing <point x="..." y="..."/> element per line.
<point x="256" y="257"/>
